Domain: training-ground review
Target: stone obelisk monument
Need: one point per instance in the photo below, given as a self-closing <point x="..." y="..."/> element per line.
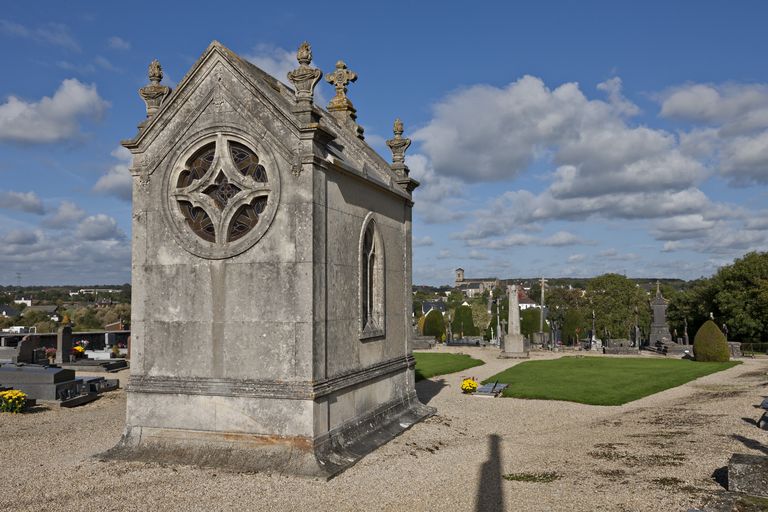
<point x="514" y="344"/>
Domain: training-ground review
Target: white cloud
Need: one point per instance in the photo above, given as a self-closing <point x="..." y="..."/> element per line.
<point x="278" y="62"/>
<point x="66" y="215"/>
<point x="423" y="241"/>
<point x="20" y="237"/>
<point x="575" y="258"/>
<point x="438" y="198"/>
<point x="51" y="119"/>
<point x="736" y="108"/>
<point x="559" y="239"/>
<point x="104" y="63"/>
<point x="50" y="33"/>
<point x="99" y="227"/>
<point x="117" y="181"/>
<point x="118" y="43"/>
<point x="476" y="255"/>
<point x="745" y="159"/>
<point x="27" y="202"/>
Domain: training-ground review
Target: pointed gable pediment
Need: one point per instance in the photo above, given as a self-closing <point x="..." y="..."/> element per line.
<point x="221" y="82"/>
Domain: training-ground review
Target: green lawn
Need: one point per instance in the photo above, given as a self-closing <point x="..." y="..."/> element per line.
<point x="599" y="380"/>
<point x="428" y="364"/>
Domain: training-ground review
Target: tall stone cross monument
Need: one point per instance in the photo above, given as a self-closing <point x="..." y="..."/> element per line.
<point x="514" y="343"/>
<point x="271" y="275"/>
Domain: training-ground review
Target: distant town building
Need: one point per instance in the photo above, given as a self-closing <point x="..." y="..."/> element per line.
<point x="472" y="286"/>
<point x="437" y="305"/>
<point x="26" y="302"/>
<point x="7" y="311"/>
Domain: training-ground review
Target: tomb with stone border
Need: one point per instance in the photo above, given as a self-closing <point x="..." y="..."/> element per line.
<point x="271" y="275"/>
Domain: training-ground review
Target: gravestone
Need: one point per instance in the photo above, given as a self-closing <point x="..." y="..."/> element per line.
<point x="26" y="349"/>
<point x="748" y="474"/>
<point x="271" y="275"/>
<point x="39" y="382"/>
<point x="64" y="344"/>
<point x="514" y="343"/>
<point x="659" y="328"/>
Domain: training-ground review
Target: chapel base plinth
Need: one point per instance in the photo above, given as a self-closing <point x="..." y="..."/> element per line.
<point x="322" y="457"/>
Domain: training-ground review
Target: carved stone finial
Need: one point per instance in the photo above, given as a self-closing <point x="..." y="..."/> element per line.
<point x="154" y="94"/>
<point x="340" y="105"/>
<point x="398" y="145"/>
<point x="155" y="72"/>
<point x="340" y="79"/>
<point x="304" y="78"/>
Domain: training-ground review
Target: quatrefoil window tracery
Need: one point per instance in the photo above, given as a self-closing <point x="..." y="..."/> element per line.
<point x="222" y="191"/>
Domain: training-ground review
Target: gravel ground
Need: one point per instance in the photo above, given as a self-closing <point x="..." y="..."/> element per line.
<point x="662" y="452"/>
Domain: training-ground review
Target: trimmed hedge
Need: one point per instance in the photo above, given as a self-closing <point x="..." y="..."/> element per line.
<point x="710" y="344"/>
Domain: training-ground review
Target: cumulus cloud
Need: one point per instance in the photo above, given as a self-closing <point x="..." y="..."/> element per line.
<point x="736" y="108"/>
<point x="66" y="214"/>
<point x="20" y="237"/>
<point x="99" y="227"/>
<point x="52" y="119"/>
<point x="118" y="43"/>
<point x="54" y="34"/>
<point x="559" y="239"/>
<point x="27" y="202"/>
<point x="59" y="258"/>
<point x="438" y="198"/>
<point x="117" y="180"/>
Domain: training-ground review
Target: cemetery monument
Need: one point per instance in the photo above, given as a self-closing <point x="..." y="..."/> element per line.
<point x="271" y="275"/>
<point x="514" y="343"/>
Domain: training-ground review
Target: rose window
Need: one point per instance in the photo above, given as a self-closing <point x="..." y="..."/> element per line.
<point x="222" y="191"/>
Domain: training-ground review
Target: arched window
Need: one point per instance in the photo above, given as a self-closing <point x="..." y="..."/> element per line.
<point x="371" y="281"/>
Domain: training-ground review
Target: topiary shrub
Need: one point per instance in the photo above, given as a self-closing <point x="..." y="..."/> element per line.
<point x="434" y="325"/>
<point x="710" y="344"/>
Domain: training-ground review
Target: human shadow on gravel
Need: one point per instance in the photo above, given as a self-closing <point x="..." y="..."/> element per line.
<point x="490" y="494"/>
<point x="428" y="389"/>
<point x="751" y="443"/>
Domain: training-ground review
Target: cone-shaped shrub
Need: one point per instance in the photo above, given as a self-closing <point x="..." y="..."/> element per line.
<point x="710" y="344"/>
<point x="434" y="325"/>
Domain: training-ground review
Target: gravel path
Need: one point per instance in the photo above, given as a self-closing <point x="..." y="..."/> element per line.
<point x="657" y="453"/>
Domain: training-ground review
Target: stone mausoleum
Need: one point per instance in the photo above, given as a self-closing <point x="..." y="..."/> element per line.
<point x="271" y="274"/>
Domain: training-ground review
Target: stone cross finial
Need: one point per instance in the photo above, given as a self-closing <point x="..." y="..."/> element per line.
<point x="658" y="289"/>
<point x="304" y="78"/>
<point x="340" y="79"/>
<point x="154" y="94"/>
<point x="340" y="106"/>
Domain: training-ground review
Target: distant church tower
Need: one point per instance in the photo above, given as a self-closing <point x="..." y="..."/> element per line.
<point x="459" y="276"/>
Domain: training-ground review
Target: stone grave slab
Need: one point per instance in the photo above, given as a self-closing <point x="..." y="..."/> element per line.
<point x="748" y="474"/>
<point x="491" y="390"/>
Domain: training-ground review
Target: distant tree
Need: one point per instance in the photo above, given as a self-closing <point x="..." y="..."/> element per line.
<point x="614" y="299"/>
<point x="737" y="296"/>
<point x="529" y="321"/>
<point x="434" y="325"/>
<point x="574" y="325"/>
<point x="503" y="311"/>
<point x="463" y="324"/>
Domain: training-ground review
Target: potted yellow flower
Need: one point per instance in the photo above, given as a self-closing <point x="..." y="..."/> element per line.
<point x="469" y="386"/>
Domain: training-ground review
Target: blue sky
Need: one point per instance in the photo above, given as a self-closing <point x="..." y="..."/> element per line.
<point x="554" y="138"/>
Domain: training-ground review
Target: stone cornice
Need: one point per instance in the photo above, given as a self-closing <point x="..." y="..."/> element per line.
<point x="266" y="388"/>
